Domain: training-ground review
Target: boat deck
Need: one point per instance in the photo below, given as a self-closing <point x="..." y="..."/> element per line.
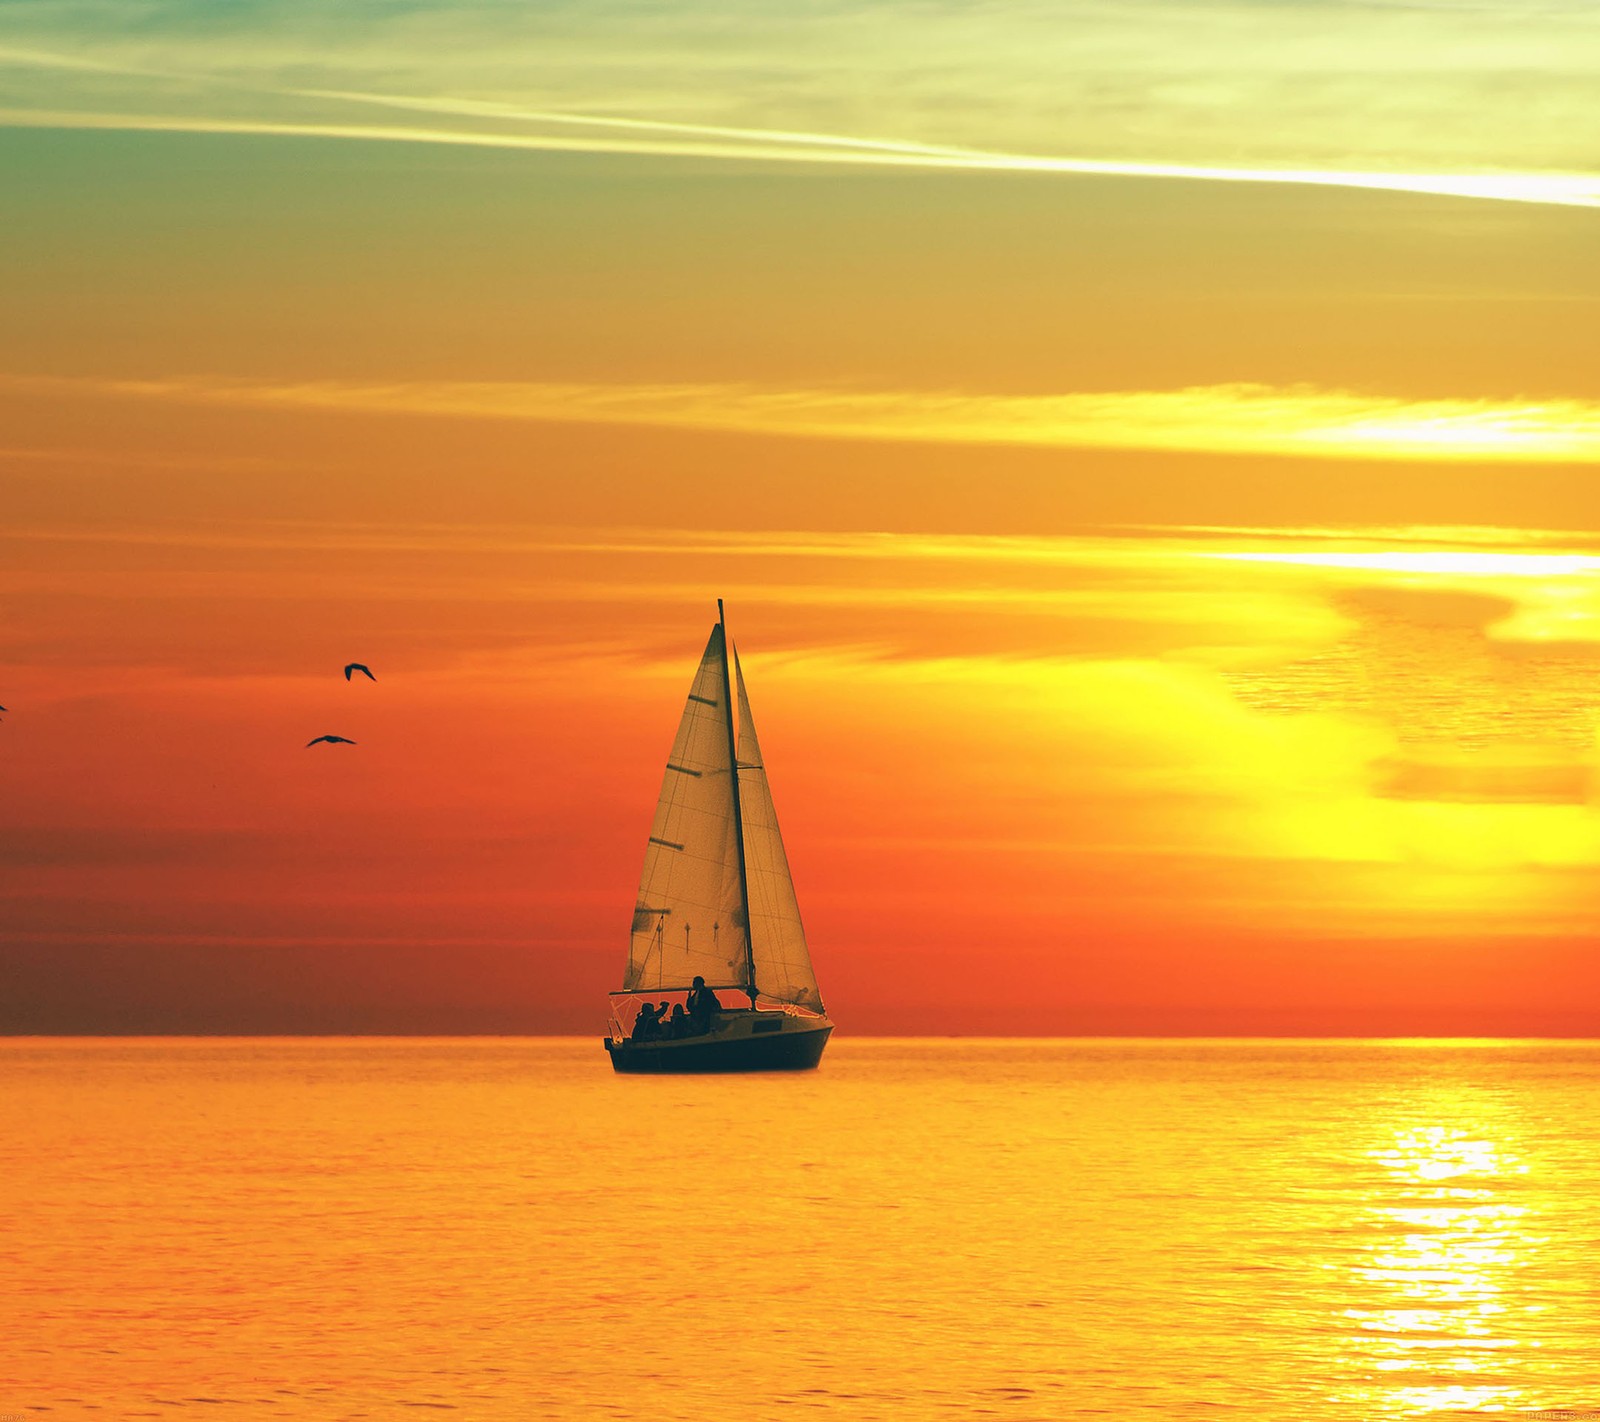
<point x="739" y="1040"/>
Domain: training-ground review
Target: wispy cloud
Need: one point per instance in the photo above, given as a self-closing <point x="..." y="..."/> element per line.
<point x="1230" y="419"/>
<point x="1451" y="553"/>
<point x="769" y="88"/>
<point x="1493" y="83"/>
<point x="765" y="146"/>
<point x="1448" y="562"/>
<point x="721" y="141"/>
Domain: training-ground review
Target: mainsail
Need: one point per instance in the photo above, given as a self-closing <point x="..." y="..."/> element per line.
<point x="704" y="908"/>
<point x="778" y="941"/>
<point x="689" y="917"/>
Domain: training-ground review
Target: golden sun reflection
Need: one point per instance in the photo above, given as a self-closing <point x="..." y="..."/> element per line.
<point x="1439" y="1281"/>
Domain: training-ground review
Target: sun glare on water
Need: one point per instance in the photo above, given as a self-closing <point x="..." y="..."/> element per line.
<point x="1435" y="1326"/>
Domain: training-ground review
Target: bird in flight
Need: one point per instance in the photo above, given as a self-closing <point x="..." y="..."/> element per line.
<point x="365" y="671"/>
<point x="332" y="741"/>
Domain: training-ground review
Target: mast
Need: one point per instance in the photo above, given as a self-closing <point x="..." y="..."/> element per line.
<point x="738" y="813"/>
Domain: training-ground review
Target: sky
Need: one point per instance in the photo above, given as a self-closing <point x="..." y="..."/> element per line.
<point x="1148" y="451"/>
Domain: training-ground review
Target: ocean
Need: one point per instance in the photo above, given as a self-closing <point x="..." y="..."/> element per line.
<point x="335" y="1228"/>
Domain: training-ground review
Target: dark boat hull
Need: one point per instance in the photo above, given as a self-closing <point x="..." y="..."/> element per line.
<point x="791" y="1050"/>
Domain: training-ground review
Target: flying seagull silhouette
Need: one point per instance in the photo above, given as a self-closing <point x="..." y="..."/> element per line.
<point x="365" y="671"/>
<point x="332" y="741"/>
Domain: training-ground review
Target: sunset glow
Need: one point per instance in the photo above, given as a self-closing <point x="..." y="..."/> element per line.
<point x="1149" y="463"/>
<point x="1137" y="463"/>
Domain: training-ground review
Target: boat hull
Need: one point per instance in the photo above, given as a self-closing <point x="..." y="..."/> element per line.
<point x="797" y="1046"/>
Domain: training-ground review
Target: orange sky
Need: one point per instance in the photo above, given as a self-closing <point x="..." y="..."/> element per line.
<point x="1170" y="604"/>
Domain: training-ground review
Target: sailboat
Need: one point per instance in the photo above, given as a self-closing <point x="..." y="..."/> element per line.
<point x="716" y="904"/>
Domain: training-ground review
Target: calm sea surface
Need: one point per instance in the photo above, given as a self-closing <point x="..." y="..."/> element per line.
<point x="922" y="1229"/>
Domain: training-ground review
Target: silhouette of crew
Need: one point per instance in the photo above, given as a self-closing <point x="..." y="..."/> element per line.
<point x="647" y="1025"/>
<point x="654" y="1024"/>
<point x="703" y="1007"/>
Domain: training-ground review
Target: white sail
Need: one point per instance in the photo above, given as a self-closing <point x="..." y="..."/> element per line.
<point x="689" y="916"/>
<point x="778" y="941"/>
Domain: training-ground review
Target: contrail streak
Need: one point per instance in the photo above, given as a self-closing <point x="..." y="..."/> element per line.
<point x="660" y="138"/>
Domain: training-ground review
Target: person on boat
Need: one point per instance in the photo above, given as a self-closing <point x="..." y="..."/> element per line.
<point x="703" y="1007"/>
<point x="647" y="1025"/>
<point x="677" y="1024"/>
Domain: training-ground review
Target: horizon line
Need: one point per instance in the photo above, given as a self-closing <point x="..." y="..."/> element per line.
<point x="858" y="1037"/>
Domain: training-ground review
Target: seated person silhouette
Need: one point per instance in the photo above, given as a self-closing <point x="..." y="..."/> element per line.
<point x="647" y="1025"/>
<point x="677" y="1024"/>
<point x="703" y="1007"/>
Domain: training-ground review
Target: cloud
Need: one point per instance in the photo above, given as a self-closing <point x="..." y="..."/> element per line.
<point x="1185" y="80"/>
<point x="1225" y="419"/>
<point x="1467" y="782"/>
<point x="1357" y="98"/>
<point x="1450" y="561"/>
<point x="763" y="146"/>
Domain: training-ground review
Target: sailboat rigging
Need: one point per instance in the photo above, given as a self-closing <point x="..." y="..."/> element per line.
<point x="716" y="909"/>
